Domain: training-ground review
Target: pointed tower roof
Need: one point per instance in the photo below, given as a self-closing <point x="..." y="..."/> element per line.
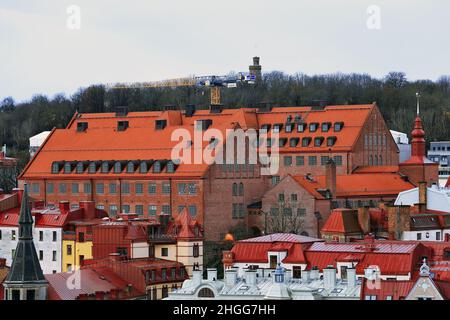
<point x="25" y="268"/>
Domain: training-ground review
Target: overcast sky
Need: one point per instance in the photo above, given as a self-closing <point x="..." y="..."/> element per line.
<point x="142" y="40"/>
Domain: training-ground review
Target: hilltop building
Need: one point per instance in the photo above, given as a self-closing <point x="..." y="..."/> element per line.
<point x="91" y="160"/>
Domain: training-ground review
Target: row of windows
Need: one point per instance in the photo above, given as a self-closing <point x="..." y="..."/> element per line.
<point x="152" y="209"/>
<point x="306" y="141"/>
<point x="41" y="235"/>
<point x="373" y="139"/>
<point x="129" y="166"/>
<point x="302" y="126"/>
<point x="312" y="160"/>
<point x="375" y="160"/>
<point x="125" y="188"/>
<point x="166" y="274"/>
<point x="287" y="211"/>
<point x="238" y="189"/>
<point x="54" y="255"/>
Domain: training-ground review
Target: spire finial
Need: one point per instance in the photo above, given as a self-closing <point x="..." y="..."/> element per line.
<point x="418" y="102"/>
<point x="424" y="269"/>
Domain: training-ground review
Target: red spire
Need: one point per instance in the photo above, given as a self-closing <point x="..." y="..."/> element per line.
<point x="418" y="139"/>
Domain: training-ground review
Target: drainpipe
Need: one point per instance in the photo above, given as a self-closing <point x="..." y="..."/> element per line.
<point x="45" y="191"/>
<point x="120" y="196"/>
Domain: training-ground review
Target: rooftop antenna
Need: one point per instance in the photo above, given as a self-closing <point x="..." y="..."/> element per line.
<point x="418" y="102"/>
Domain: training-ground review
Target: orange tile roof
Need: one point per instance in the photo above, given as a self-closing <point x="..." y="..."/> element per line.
<point x="354" y="185"/>
<point x="141" y="141"/>
<point x="343" y="221"/>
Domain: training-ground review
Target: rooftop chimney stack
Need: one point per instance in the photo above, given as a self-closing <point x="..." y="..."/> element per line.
<point x="351" y="277"/>
<point x="230" y="277"/>
<point x="197" y="277"/>
<point x="314" y="274"/>
<point x="422" y="197"/>
<point x="330" y="175"/>
<point x="250" y="277"/>
<point x="329" y="278"/>
<point x="212" y="274"/>
<point x="305" y="276"/>
<point x="364" y="219"/>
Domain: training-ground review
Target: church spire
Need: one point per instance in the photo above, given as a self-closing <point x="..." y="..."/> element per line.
<point x="25" y="280"/>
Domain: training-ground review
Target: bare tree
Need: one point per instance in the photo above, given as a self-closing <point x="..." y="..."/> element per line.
<point x="284" y="218"/>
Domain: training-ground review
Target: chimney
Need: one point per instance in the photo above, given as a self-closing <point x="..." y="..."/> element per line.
<point x="329" y="278"/>
<point x="330" y="175"/>
<point x="305" y="276"/>
<point x="351" y="277"/>
<point x="197" y="277"/>
<point x="211" y="274"/>
<point x="230" y="277"/>
<point x="88" y="209"/>
<point x="250" y="277"/>
<point x="314" y="274"/>
<point x="422" y="197"/>
<point x="164" y="221"/>
<point x="64" y="206"/>
<point x="364" y="219"/>
<point x="398" y="221"/>
<point x="19" y="193"/>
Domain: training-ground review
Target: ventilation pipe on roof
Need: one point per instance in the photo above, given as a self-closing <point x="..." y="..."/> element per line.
<point x="230" y="277"/>
<point x="250" y="277"/>
<point x="211" y="274"/>
<point x="197" y="277"/>
<point x="422" y="197"/>
<point x="351" y="277"/>
<point x="305" y="276"/>
<point x="329" y="278"/>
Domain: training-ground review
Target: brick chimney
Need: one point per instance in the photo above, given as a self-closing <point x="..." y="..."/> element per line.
<point x="364" y="219"/>
<point x="64" y="206"/>
<point x="330" y="176"/>
<point x="398" y="221"/>
<point x="89" y="209"/>
<point x="227" y="259"/>
<point x="422" y="197"/>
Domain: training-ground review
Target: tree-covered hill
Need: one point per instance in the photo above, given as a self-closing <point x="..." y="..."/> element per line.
<point x="394" y="94"/>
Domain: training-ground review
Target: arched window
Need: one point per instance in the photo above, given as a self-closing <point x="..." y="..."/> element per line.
<point x="92" y="167"/>
<point x="67" y="167"/>
<point x="205" y="293"/>
<point x="170" y="167"/>
<point x="130" y="167"/>
<point x="380" y="161"/>
<point x="105" y="167"/>
<point x="235" y="189"/>
<point x="370" y="160"/>
<point x="143" y="168"/>
<point x="117" y="167"/>
<point x="157" y="167"/>
<point x="80" y="167"/>
<point x="241" y="189"/>
<point x="375" y="161"/>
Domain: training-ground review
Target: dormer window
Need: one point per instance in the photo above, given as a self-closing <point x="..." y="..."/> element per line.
<point x="277" y="127"/>
<point x="282" y="142"/>
<point x="265" y="127"/>
<point x="326" y="126"/>
<point x="301" y="127"/>
<point x="160" y="124"/>
<point x="105" y="167"/>
<point x="55" y="167"/>
<point x="92" y="167"/>
<point x="122" y="125"/>
<point x="313" y="127"/>
<point x="331" y="141"/>
<point x="143" y="167"/>
<point x="170" y="167"/>
<point x="82" y="126"/>
<point x="80" y="167"/>
<point x="130" y="167"/>
<point x="203" y="124"/>
<point x="306" y="141"/>
<point x="293" y="142"/>
<point x="318" y="141"/>
<point x="117" y="167"/>
<point x="288" y="127"/>
<point x="157" y="167"/>
<point x="67" y="167"/>
<point x="338" y="126"/>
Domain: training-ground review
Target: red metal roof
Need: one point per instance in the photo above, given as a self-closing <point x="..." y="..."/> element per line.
<point x="398" y="290"/>
<point x="342" y="221"/>
<point x="282" y="237"/>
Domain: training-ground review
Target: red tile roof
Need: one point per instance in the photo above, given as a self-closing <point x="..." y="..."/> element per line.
<point x="354" y="185"/>
<point x="102" y="141"/>
<point x="397" y="290"/>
